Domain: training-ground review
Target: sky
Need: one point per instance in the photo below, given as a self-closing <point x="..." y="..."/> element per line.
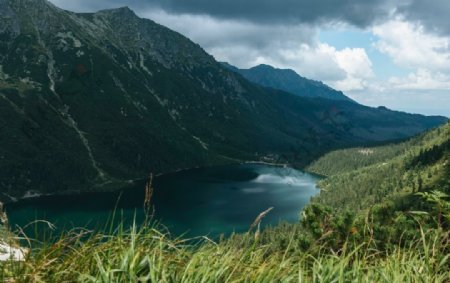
<point x="394" y="53"/>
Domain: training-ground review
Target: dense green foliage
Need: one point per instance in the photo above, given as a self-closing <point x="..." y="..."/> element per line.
<point x="346" y="160"/>
<point x="148" y="255"/>
<point x="391" y="197"/>
<point x="96" y="100"/>
<point x="394" y="172"/>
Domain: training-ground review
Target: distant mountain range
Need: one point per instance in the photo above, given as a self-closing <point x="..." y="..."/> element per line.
<point x="288" y="80"/>
<point x="92" y="101"/>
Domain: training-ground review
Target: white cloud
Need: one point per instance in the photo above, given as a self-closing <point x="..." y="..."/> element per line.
<point x="317" y="61"/>
<point x="411" y="46"/>
<point x="422" y="79"/>
<point x="346" y="69"/>
<point x="355" y="62"/>
<point x="358" y="67"/>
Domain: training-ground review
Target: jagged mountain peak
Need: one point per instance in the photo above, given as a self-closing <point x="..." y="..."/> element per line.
<point x="123" y="11"/>
<point x="269" y="68"/>
<point x="288" y="80"/>
<point x="29" y="3"/>
<point x="263" y="66"/>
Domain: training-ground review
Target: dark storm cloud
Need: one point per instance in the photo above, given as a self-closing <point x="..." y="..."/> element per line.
<point x="357" y="12"/>
<point x="433" y="14"/>
<point x="360" y="13"/>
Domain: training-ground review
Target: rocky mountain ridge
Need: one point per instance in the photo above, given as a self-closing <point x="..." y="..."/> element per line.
<point x="288" y="80"/>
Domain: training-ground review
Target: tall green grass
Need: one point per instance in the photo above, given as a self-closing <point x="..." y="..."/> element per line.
<point x="145" y="254"/>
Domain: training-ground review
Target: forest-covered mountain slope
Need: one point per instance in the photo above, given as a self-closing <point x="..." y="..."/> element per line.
<point x="92" y="101"/>
<point x="360" y="178"/>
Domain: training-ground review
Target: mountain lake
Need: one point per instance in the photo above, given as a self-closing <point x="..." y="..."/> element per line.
<point x="207" y="201"/>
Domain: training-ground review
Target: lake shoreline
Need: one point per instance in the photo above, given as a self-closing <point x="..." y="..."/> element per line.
<point x="120" y="185"/>
<point x="217" y="199"/>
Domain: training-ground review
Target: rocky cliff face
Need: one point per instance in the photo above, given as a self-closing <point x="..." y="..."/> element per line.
<point x="92" y="101"/>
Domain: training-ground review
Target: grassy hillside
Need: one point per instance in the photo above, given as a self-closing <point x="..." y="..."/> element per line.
<point x="361" y="177"/>
<point x="151" y="256"/>
<point x="386" y="222"/>
<point x="346" y="160"/>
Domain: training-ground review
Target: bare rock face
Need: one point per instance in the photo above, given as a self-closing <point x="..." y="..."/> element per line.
<point x="92" y="101"/>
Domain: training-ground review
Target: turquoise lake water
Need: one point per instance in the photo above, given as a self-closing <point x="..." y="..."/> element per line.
<point x="209" y="201"/>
